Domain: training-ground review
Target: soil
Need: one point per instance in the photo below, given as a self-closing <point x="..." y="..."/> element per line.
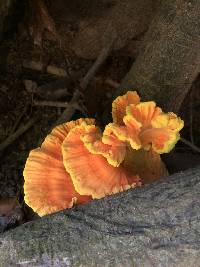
<point x="17" y="102"/>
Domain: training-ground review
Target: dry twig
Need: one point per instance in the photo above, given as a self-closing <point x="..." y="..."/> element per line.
<point x="112" y="83"/>
<point x="50" y="91"/>
<point x="18" y="121"/>
<point x="192" y="146"/>
<point x="70" y="109"/>
<point x="56" y="104"/>
<point x="8" y="141"/>
<point x="73" y="104"/>
<point x="39" y="66"/>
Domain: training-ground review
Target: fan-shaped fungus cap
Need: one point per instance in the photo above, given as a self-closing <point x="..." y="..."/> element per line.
<point x="159" y="130"/>
<point x="106" y="144"/>
<point x="77" y="162"/>
<point x="120" y="103"/>
<point x="48" y="187"/>
<point x="91" y="173"/>
<point x="128" y="133"/>
<point x="147" y="126"/>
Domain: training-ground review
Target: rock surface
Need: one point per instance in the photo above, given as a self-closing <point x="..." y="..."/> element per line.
<point x="157" y="225"/>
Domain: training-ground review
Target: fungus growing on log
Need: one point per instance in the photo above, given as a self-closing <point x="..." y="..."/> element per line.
<point x="106" y="144"/>
<point x="120" y="103"/>
<point x="91" y="173"/>
<point x="78" y="162"/>
<point x="146" y="126"/>
<point x="48" y="186"/>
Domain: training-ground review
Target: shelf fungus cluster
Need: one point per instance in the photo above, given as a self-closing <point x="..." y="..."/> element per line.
<point x="78" y="162"/>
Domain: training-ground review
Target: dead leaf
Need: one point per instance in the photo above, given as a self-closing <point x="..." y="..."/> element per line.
<point x="39" y="21"/>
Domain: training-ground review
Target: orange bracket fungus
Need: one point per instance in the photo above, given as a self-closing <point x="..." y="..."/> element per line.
<point x="77" y="162"/>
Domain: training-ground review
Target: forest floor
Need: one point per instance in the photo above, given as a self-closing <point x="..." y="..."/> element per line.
<point x="31" y="81"/>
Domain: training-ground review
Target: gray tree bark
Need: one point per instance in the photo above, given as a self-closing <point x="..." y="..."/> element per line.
<point x="157" y="225"/>
<point x="170" y="59"/>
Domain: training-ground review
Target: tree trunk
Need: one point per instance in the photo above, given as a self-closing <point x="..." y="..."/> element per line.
<point x="170" y="59"/>
<point x="156" y="225"/>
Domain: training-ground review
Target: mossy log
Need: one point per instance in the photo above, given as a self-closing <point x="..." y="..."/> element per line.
<point x="169" y="60"/>
<point x="157" y="225"/>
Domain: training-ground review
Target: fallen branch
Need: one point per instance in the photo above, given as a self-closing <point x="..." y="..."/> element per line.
<point x="60" y="105"/>
<point x="112" y="83"/>
<point x="73" y="105"/>
<point x="51" y="104"/>
<point x="39" y="66"/>
<point x="49" y="91"/>
<point x="191" y="145"/>
<point x="18" y="121"/>
<point x="70" y="109"/>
